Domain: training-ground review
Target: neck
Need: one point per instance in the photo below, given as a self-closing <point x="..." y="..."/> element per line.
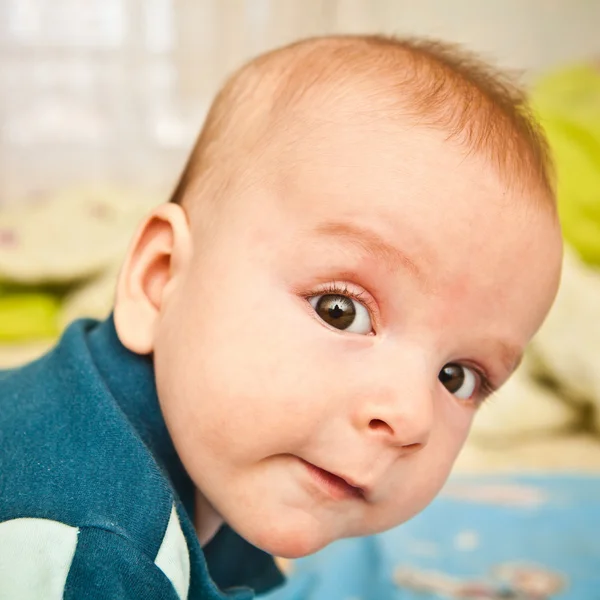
<point x="207" y="520"/>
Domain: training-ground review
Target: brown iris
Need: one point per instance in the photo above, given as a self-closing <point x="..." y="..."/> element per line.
<point x="337" y="311"/>
<point x="452" y="377"/>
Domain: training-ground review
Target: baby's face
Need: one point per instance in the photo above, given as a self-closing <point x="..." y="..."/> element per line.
<point x="321" y="359"/>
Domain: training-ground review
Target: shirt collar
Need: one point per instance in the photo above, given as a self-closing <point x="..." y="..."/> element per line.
<point x="129" y="377"/>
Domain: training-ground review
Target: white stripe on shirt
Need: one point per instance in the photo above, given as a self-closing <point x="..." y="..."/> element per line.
<point x="35" y="558"/>
<point x="173" y="558"/>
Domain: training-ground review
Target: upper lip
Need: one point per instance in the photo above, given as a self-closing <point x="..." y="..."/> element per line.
<point x="364" y="489"/>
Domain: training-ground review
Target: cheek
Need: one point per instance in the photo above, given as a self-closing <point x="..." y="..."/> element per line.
<point x="448" y="436"/>
<point x="243" y="371"/>
<point x="428" y="470"/>
<point x="454" y="424"/>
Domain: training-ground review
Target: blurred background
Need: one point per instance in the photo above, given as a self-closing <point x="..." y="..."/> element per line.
<point x="116" y="90"/>
<point x="101" y="101"/>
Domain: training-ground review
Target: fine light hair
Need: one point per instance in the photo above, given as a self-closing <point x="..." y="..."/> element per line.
<point x="432" y="84"/>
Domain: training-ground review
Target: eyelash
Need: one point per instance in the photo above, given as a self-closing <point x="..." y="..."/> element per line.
<point x="335" y="288"/>
<point x="486" y="388"/>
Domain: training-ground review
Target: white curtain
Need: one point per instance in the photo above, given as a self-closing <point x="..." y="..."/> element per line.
<point x="117" y="89"/>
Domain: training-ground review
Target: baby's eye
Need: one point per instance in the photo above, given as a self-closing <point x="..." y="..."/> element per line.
<point x="458" y="380"/>
<point x="342" y="312"/>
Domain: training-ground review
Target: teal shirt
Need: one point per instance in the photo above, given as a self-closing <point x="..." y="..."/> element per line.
<point x="94" y="501"/>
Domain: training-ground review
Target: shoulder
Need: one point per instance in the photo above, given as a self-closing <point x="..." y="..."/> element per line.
<point x="43" y="558"/>
<point x="68" y="454"/>
<point x="41" y="389"/>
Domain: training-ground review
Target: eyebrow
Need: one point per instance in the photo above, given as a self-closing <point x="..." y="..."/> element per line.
<point x="371" y="242"/>
<point x="374" y="244"/>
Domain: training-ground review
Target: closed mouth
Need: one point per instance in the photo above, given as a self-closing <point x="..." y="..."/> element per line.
<point x="337" y="487"/>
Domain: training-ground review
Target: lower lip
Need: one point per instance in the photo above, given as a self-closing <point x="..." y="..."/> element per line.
<point x="334" y="486"/>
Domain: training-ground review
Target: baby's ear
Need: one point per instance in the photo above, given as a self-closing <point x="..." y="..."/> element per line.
<point x="160" y="250"/>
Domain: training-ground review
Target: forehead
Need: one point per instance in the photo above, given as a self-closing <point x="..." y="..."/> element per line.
<point x="473" y="237"/>
<point x="399" y="177"/>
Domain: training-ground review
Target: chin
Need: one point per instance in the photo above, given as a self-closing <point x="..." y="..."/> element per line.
<point x="294" y="536"/>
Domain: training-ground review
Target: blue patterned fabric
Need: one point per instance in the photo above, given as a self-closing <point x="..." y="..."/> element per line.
<point x="496" y="538"/>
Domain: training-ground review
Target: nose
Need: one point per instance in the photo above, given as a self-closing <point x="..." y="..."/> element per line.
<point x="398" y="414"/>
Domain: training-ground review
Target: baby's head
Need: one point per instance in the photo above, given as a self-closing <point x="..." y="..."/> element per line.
<point x="362" y="244"/>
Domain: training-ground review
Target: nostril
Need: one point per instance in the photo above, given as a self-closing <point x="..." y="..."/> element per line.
<point x="379" y="425"/>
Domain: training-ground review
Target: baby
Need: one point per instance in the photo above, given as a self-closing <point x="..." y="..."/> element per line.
<point x="359" y="249"/>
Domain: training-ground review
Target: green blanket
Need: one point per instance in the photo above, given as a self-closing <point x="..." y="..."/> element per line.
<point x="567" y="103"/>
<point x="28" y="315"/>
